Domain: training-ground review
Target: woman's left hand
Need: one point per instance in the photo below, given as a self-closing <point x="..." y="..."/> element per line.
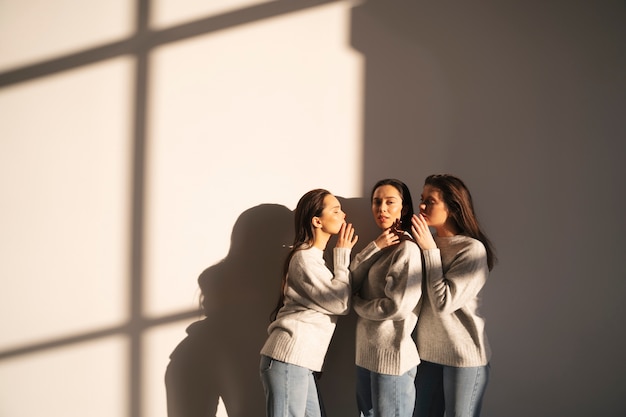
<point x="421" y="233"/>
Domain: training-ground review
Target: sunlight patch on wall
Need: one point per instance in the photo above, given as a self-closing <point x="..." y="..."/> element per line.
<point x="41" y="30"/>
<point x="259" y="113"/>
<point x="64" y="181"/>
<point x="71" y="381"/>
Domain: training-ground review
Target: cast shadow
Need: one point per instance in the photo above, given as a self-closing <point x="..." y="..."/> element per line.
<point x="220" y="355"/>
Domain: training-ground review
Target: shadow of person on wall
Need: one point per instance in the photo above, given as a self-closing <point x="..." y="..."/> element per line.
<point x="220" y="355"/>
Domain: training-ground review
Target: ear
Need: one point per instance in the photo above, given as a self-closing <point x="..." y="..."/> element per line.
<point x="316" y="222"/>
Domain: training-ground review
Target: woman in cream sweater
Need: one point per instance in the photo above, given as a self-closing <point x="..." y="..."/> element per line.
<point x="311" y="299"/>
<point x="387" y="277"/>
<point x="451" y="337"/>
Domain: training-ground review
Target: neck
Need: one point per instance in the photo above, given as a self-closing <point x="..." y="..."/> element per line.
<point x="321" y="240"/>
<point x="446" y="230"/>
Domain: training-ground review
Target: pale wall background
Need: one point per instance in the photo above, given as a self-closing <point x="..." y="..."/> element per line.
<point x="148" y="147"/>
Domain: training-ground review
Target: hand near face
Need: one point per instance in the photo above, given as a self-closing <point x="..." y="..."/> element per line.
<point x="346" y="237"/>
<point x="387" y="238"/>
<point x="421" y="233"/>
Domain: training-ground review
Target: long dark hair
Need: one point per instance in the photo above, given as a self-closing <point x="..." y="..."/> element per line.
<point x="310" y="205"/>
<point x="407" y="201"/>
<point x="457" y="197"/>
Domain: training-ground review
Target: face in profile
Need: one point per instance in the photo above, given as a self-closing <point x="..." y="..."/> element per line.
<point x="432" y="207"/>
<point x="332" y="217"/>
<point x="386" y="206"/>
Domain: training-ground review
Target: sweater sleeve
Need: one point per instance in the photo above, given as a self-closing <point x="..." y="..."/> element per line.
<point x="312" y="285"/>
<point x="467" y="274"/>
<point x="361" y="264"/>
<point x="402" y="290"/>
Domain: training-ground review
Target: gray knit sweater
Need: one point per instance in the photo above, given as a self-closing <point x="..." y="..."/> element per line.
<point x="314" y="297"/>
<point x="389" y="284"/>
<point x="451" y="330"/>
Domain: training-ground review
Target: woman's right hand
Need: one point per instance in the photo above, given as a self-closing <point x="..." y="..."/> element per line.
<point x="387" y="238"/>
<point x="346" y="237"/>
<point x="421" y="233"/>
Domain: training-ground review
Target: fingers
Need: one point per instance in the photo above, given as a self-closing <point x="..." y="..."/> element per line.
<point x="387" y="238"/>
<point x="419" y="224"/>
<point x="347" y="237"/>
<point x="421" y="232"/>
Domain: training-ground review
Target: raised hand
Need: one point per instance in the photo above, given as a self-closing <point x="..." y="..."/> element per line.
<point x="421" y="233"/>
<point x="387" y="238"/>
<point x="346" y="237"/>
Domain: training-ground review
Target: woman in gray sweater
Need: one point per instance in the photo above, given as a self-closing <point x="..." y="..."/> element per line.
<point x="451" y="337"/>
<point x="311" y="299"/>
<point x="387" y="277"/>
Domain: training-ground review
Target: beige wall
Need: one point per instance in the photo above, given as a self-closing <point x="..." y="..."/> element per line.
<point x="146" y="149"/>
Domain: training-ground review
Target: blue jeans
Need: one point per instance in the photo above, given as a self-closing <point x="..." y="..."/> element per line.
<point x="290" y="390"/>
<point x="457" y="392"/>
<point x="381" y="395"/>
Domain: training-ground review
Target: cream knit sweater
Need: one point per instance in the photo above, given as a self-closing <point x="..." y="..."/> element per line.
<point x="451" y="330"/>
<point x="389" y="287"/>
<point x="314" y="297"/>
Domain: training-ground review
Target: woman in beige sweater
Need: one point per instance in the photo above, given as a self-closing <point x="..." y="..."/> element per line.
<point x="451" y="337"/>
<point x="387" y="279"/>
<point x="311" y="299"/>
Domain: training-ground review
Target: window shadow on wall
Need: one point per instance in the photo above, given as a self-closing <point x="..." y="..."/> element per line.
<point x="234" y="330"/>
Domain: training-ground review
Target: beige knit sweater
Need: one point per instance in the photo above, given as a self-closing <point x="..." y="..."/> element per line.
<point x="451" y="330"/>
<point x="314" y="297"/>
<point x="389" y="285"/>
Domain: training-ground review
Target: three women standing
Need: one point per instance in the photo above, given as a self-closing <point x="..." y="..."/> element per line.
<point x="389" y="287"/>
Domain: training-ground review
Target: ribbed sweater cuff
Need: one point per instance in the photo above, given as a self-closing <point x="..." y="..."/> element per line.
<point x="342" y="257"/>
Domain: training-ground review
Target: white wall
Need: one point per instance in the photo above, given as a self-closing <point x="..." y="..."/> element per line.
<point x="150" y="149"/>
<point x="259" y="111"/>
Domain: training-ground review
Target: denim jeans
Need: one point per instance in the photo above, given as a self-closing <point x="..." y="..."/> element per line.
<point x="381" y="395"/>
<point x="457" y="392"/>
<point x="290" y="390"/>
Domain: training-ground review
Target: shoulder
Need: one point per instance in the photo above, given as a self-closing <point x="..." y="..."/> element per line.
<point x="472" y="245"/>
<point x="461" y="245"/>
<point x="306" y="255"/>
<point x="408" y="247"/>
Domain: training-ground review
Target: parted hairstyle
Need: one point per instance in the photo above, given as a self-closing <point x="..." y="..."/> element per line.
<point x="309" y="206"/>
<point x="457" y="197"/>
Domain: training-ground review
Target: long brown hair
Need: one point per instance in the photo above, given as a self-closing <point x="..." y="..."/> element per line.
<point x="310" y="205"/>
<point x="457" y="197"/>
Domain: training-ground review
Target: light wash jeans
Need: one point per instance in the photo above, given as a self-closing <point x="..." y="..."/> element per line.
<point x="457" y="392"/>
<point x="381" y="395"/>
<point x="290" y="390"/>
